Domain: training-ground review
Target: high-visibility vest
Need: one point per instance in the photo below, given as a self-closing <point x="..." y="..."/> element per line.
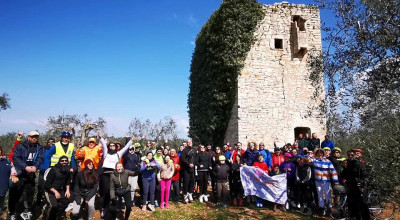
<point x="60" y="152"/>
<point x="92" y="154"/>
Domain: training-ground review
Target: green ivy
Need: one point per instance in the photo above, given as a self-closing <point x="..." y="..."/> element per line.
<point x="221" y="47"/>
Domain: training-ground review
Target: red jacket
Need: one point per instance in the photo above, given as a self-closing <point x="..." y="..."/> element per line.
<point x="277" y="159"/>
<point x="261" y="165"/>
<point x="235" y="153"/>
<point x="177" y="166"/>
<point x="17" y="141"/>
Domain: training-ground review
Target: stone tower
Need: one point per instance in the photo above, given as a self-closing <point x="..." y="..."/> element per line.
<point x="274" y="93"/>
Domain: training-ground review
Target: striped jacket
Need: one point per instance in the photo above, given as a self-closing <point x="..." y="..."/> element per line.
<point x="324" y="170"/>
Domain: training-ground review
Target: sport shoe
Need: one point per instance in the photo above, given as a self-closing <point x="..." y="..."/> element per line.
<point x="302" y="208"/>
<point x="309" y="212"/>
<point x="103" y="213"/>
<point x="26" y="215"/>
<point x="186" y="198"/>
<point x="144" y="208"/>
<point x="190" y="197"/>
<point x="293" y="204"/>
<point x="156" y="204"/>
<point x="205" y="197"/>
<point x="151" y="207"/>
<point x="201" y="198"/>
<point x="224" y="205"/>
<point x="12" y="217"/>
<point x="70" y="206"/>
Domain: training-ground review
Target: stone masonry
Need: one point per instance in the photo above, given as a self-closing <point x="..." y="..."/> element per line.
<point x="274" y="93"/>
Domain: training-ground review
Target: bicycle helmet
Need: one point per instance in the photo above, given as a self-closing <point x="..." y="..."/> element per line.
<point x="340" y="189"/>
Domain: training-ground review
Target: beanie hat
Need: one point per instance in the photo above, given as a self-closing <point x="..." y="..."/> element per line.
<point x="221" y="158"/>
<point x="287" y="155"/>
<point x="88" y="161"/>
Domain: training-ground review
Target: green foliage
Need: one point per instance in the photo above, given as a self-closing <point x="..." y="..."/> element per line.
<point x="4" y="102"/>
<point x="221" y="47"/>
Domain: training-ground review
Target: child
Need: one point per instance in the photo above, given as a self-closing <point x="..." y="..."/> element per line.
<point x="5" y="175"/>
<point x="221" y="172"/>
<point x="262" y="165"/>
<point x="276" y="171"/>
<point x="289" y="168"/>
<point x="165" y="175"/>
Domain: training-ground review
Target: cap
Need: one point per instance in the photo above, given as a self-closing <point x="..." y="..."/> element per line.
<point x="221" y="158"/>
<point x="326" y="148"/>
<point x="287" y="155"/>
<point x="337" y="149"/>
<point x="33" y="133"/>
<point x="277" y="149"/>
<point x="357" y="150"/>
<point x="299" y="156"/>
<point x="65" y="134"/>
<point x="92" y="140"/>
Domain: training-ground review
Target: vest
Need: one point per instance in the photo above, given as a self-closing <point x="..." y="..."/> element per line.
<point x="60" y="152"/>
<point x="92" y="154"/>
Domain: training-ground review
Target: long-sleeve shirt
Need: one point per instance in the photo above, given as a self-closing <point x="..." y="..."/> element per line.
<point x="324" y="170"/>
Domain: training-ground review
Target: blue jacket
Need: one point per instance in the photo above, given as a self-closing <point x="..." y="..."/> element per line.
<point x="5" y="172"/>
<point x="20" y="156"/>
<point x="46" y="160"/>
<point x="267" y="157"/>
<point x="328" y="143"/>
<point x="250" y="156"/>
<point x="149" y="173"/>
<point x="131" y="161"/>
<point x="48" y="153"/>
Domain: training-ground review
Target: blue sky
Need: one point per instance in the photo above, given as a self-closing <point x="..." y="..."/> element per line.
<point x="116" y="59"/>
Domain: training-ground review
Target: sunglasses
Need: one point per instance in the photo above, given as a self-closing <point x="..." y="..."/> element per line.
<point x="131" y="149"/>
<point x="63" y="161"/>
<point x="350" y="155"/>
<point x="112" y="145"/>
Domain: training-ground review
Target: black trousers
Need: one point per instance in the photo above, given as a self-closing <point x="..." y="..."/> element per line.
<point x="203" y="181"/>
<point x="188" y="180"/>
<point x="357" y="205"/>
<point x="23" y="190"/>
<point x="57" y="207"/>
<point x="303" y="194"/>
<point x="113" y="208"/>
<point x="175" y="191"/>
<point x="104" y="190"/>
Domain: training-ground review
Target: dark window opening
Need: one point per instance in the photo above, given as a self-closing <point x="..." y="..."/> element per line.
<point x="302" y="130"/>
<point x="300" y="22"/>
<point x="278" y="44"/>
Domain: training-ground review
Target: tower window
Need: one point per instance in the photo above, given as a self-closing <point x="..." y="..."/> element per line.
<point x="278" y="44"/>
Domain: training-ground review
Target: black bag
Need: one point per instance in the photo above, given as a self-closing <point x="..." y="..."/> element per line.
<point x="120" y="192"/>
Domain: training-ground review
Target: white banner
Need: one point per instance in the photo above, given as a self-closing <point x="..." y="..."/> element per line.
<point x="256" y="182"/>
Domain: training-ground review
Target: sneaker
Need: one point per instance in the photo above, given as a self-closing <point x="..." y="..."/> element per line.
<point x="282" y="208"/>
<point x="309" y="212"/>
<point x="201" y="198"/>
<point x="322" y="212"/>
<point x="26" y="215"/>
<point x="186" y="198"/>
<point x="190" y="197"/>
<point x="103" y="213"/>
<point x="224" y="205"/>
<point x="287" y="205"/>
<point x="293" y="204"/>
<point x="302" y="209"/>
<point x="151" y="207"/>
<point x="144" y="208"/>
<point x="205" y="197"/>
<point x="70" y="206"/>
<point x="12" y="217"/>
<point x="156" y="203"/>
<point x="176" y="202"/>
<point x="166" y="205"/>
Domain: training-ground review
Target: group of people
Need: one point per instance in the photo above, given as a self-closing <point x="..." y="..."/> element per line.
<point x="110" y="172"/>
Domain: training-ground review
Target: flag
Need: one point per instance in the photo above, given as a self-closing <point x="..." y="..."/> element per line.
<point x="256" y="182"/>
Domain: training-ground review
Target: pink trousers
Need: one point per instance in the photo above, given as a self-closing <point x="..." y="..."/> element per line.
<point x="165" y="187"/>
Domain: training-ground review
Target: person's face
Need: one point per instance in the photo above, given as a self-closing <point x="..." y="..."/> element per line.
<point x="327" y="153"/>
<point x="120" y="168"/>
<point x="137" y="149"/>
<point x="167" y="159"/>
<point x="276" y="169"/>
<point x="307" y="135"/>
<point x="217" y="150"/>
<point x="131" y="150"/>
<point x="64" y="161"/>
<point x="153" y="144"/>
<point x="320" y="155"/>
<point x="112" y="146"/>
<point x="260" y="158"/>
<point x="222" y="161"/>
<point x="326" y="137"/>
<point x="181" y="148"/>
<point x="336" y="153"/>
<point x="189" y="143"/>
<point x="311" y="154"/>
<point x="277" y="152"/>
<point x="148" y="144"/>
<point x="92" y="144"/>
<point x="50" y="143"/>
<point x="314" y="136"/>
<point x="301" y="136"/>
<point x="287" y="159"/>
<point x="225" y="147"/>
<point x="300" y="161"/>
<point x="208" y="147"/>
<point x="166" y="151"/>
<point x="344" y="164"/>
<point x="118" y="146"/>
<point x="357" y="154"/>
<point x="294" y="152"/>
<point x="202" y="149"/>
<point x="65" y="139"/>
<point x="251" y="146"/>
<point x="33" y="139"/>
<point x="261" y="146"/>
<point x="167" y="147"/>
<point x="149" y="156"/>
<point x="172" y="152"/>
<point x="159" y="152"/>
<point x="90" y="166"/>
<point x="350" y="155"/>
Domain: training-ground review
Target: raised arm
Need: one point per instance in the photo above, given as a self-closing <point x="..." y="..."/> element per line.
<point x="103" y="144"/>
<point x="127" y="146"/>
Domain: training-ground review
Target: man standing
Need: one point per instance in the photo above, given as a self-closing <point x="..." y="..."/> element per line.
<point x="327" y="143"/>
<point x="188" y="158"/>
<point x="27" y="157"/>
<point x="62" y="148"/>
<point x="315" y="142"/>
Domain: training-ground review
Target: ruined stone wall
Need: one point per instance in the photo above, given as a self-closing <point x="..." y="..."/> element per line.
<point x="274" y="93"/>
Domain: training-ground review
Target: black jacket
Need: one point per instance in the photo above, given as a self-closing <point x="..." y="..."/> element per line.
<point x="57" y="179"/>
<point x="20" y="156"/>
<point x="188" y="156"/>
<point x="131" y="161"/>
<point x="82" y="189"/>
<point x="203" y="162"/>
<point x="221" y="172"/>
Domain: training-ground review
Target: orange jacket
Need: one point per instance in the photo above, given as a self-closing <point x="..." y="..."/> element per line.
<point x="93" y="154"/>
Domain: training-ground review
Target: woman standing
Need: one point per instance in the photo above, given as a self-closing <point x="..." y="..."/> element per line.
<point x="165" y="175"/>
<point x="203" y="163"/>
<point x="148" y="170"/>
<point x="85" y="189"/>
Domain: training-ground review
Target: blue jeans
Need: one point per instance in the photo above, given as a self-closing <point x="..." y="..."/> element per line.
<point x="149" y="186"/>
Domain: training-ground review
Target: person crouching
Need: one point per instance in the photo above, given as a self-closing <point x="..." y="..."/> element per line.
<point x="57" y="186"/>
